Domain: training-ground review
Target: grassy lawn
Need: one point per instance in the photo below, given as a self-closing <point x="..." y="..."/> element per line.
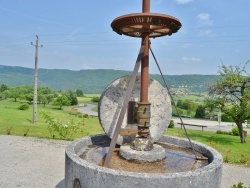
<point x="194" y="98"/>
<point x="21" y="122"/>
<point x="229" y="146"/>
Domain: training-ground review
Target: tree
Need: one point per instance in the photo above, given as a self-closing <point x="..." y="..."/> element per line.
<point x="4" y="87"/>
<point x="72" y="97"/>
<point x="29" y="97"/>
<point x="61" y="100"/>
<point x="79" y="93"/>
<point x="200" y="112"/>
<point x="20" y="92"/>
<point x="42" y="99"/>
<point x="14" y="93"/>
<point x="232" y="94"/>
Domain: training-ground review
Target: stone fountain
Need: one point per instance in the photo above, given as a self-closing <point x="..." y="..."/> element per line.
<point x="135" y="112"/>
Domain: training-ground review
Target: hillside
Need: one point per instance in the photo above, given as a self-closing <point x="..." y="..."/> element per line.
<point x="93" y="81"/>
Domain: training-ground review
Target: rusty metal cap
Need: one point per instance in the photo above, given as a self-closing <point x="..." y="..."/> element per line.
<point x="157" y="25"/>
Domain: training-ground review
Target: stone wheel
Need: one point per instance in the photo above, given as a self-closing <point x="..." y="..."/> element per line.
<point x="111" y="102"/>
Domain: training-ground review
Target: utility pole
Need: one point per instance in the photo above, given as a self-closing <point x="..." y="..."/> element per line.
<point x="35" y="81"/>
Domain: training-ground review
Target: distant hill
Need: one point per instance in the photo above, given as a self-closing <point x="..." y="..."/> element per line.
<point x="93" y="81"/>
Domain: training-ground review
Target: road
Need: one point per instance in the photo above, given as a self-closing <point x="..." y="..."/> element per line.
<point x="88" y="109"/>
<point x="211" y="125"/>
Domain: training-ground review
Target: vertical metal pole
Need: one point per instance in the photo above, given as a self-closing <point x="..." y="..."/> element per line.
<point x="219" y="117"/>
<point x="35" y="84"/>
<point x="145" y="58"/>
<point x="145" y="68"/>
<point x="146" y="6"/>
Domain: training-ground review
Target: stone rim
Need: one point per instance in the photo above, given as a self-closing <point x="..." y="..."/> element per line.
<point x="217" y="161"/>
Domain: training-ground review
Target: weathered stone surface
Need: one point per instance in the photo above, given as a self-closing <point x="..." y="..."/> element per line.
<point x="156" y="154"/>
<point x="112" y="99"/>
<point x="93" y="176"/>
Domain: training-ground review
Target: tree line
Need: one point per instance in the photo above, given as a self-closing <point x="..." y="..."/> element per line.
<point x="45" y="95"/>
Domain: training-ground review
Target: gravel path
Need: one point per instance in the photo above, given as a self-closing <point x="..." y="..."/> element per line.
<point x="31" y="162"/>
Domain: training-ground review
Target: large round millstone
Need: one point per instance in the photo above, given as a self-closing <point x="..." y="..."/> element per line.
<point x="111" y="103"/>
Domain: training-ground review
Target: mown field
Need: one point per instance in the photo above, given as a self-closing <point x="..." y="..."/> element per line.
<point x="18" y="122"/>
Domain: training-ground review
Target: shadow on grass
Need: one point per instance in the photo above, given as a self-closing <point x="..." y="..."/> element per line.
<point x="56" y="108"/>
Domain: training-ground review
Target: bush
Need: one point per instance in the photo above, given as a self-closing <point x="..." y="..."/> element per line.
<point x="171" y="124"/>
<point x="95" y="99"/>
<point x="235" y="131"/>
<point x="222" y="132"/>
<point x="66" y="130"/>
<point x="24" y="106"/>
<point x="86" y="116"/>
<point x="200" y="112"/>
<point x="239" y="185"/>
<point x="226" y="118"/>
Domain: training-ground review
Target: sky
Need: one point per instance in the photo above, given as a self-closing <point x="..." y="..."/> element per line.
<point x="77" y="35"/>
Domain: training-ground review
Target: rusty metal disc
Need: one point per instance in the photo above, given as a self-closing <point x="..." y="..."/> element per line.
<point x="156" y="24"/>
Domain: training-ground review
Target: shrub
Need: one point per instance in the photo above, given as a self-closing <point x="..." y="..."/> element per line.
<point x="239" y="185"/>
<point x="226" y="118"/>
<point x="86" y="116"/>
<point x="171" y="124"/>
<point x="222" y="132"/>
<point x="235" y="131"/>
<point x="80" y="116"/>
<point x="95" y="99"/>
<point x="200" y="112"/>
<point x="24" y="106"/>
<point x="66" y="130"/>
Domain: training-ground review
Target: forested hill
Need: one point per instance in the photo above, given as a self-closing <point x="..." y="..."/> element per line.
<point x="93" y="81"/>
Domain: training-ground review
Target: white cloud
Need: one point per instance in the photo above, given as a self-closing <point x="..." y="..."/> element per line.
<point x="204" y="19"/>
<point x="190" y="59"/>
<point x="182" y="2"/>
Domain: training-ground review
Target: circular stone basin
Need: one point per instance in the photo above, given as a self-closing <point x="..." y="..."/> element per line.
<point x="81" y="170"/>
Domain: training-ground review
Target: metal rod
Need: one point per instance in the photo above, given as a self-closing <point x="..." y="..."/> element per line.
<point x="146" y="6"/>
<point x="145" y="68"/>
<point x="172" y="99"/>
<point x="123" y="110"/>
<point x="145" y="58"/>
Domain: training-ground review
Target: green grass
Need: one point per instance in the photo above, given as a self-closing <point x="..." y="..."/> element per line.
<point x="194" y="98"/>
<point x="229" y="146"/>
<point x="87" y="98"/>
<point x="21" y="120"/>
